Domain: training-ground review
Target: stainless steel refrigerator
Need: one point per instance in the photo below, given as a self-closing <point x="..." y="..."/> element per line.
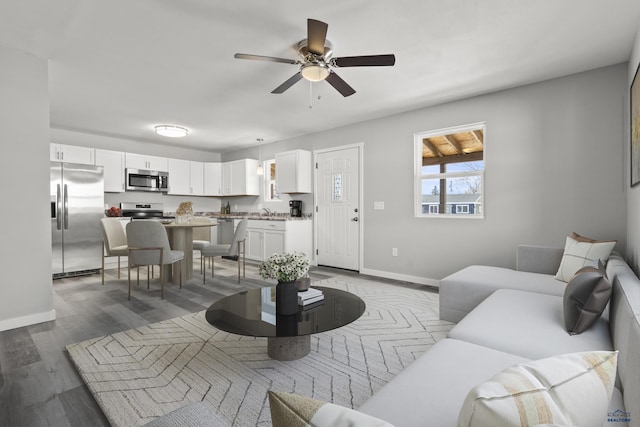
<point x="77" y="204"/>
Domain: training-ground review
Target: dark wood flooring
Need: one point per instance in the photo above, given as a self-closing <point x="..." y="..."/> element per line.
<point x="39" y="385"/>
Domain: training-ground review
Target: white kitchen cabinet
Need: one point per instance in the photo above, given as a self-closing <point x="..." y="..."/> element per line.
<point x="293" y="172"/>
<point x="112" y="163"/>
<point x="142" y="161"/>
<point x="179" y="177"/>
<point x="71" y="154"/>
<point x="185" y="177"/>
<point x="239" y="178"/>
<point x="212" y="179"/>
<point x="268" y="237"/>
<point x="197" y="178"/>
<point x="254" y="244"/>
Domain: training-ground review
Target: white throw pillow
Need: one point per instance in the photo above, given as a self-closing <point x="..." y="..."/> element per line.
<point x="293" y="410"/>
<point x="578" y="254"/>
<point x="570" y="389"/>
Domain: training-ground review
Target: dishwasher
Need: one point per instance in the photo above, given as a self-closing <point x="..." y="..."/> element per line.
<point x="226" y="229"/>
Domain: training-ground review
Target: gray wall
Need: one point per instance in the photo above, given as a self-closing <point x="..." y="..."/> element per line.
<point x="633" y="198"/>
<point x="24" y="170"/>
<point x="554" y="153"/>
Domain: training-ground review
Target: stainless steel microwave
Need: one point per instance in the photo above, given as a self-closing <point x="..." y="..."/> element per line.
<point x="144" y="180"/>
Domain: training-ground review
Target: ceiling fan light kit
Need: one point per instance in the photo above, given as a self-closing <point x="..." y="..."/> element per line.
<point x="315" y="72"/>
<point x="171" y="131"/>
<point x="316" y="61"/>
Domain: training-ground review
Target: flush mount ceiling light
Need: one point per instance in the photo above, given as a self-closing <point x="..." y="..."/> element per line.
<point x="171" y="131"/>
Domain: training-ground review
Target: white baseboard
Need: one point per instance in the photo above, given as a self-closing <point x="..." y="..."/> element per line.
<point x="402" y="277"/>
<point x="31" y="319"/>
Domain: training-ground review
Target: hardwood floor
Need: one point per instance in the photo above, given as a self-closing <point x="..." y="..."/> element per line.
<point x="39" y="385"/>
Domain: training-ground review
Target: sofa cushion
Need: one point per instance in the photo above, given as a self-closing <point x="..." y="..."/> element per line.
<point x="527" y="324"/>
<point x="431" y="390"/>
<point x="585" y="298"/>
<point x="293" y="410"/>
<point x="578" y="254"/>
<point x="569" y="389"/>
<point x="462" y="291"/>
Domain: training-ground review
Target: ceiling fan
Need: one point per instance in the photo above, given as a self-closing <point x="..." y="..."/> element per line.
<point x="316" y="60"/>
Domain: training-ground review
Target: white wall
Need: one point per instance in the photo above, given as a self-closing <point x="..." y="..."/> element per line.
<point x="26" y="293"/>
<point x="633" y="198"/>
<point x="554" y="153"/>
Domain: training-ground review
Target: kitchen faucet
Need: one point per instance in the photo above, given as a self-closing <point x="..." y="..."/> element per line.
<point x="267" y="211"/>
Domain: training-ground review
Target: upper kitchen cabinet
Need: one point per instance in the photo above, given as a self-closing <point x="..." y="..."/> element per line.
<point x="197" y="178"/>
<point x="71" y="154"/>
<point x="112" y="163"/>
<point x="186" y="177"/>
<point x="213" y="179"/>
<point x="240" y="178"/>
<point x="142" y="161"/>
<point x="293" y="172"/>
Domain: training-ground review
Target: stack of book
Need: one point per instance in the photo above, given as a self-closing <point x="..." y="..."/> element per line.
<point x="310" y="296"/>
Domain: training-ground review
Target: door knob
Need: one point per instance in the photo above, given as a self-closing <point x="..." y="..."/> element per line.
<point x="355" y="219"/>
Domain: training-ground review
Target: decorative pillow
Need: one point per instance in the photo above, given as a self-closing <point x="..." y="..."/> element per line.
<point x="292" y="410"/>
<point x="570" y="389"/>
<point x="578" y="254"/>
<point x="585" y="298"/>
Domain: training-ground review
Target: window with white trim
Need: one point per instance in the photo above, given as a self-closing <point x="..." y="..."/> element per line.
<point x="270" y="190"/>
<point x="449" y="177"/>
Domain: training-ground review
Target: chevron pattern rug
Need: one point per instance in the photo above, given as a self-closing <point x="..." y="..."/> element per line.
<point x="143" y="373"/>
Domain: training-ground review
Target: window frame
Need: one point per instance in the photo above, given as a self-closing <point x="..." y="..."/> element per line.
<point x="419" y="176"/>
<point x="268" y="180"/>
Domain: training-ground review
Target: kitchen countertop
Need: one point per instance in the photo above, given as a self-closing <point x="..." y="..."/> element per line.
<point x="240" y="215"/>
<point x="250" y="215"/>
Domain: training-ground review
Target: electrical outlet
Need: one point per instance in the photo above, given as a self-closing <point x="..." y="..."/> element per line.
<point x="394" y="251"/>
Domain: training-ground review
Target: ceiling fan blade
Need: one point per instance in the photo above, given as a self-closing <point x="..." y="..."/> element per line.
<point x="316" y="36"/>
<point x="286" y="85"/>
<point x="365" y="61"/>
<point x="264" y="58"/>
<point x="340" y="85"/>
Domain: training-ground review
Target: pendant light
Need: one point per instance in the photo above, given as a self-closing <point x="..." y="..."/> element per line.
<point x="260" y="170"/>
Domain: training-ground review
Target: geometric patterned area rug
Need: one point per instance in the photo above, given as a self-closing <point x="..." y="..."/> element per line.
<point x="146" y="372"/>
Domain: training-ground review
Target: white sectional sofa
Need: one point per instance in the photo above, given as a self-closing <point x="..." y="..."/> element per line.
<point x="507" y="317"/>
<point x="504" y="318"/>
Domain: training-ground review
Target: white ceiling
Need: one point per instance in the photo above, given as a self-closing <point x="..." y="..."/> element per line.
<point x="119" y="67"/>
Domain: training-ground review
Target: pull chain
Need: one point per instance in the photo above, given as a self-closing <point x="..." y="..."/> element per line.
<point x="311" y="95"/>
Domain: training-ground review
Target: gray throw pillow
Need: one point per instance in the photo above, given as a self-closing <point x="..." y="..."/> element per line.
<point x="585" y="298"/>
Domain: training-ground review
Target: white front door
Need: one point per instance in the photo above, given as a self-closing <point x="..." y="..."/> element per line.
<point x="338" y="208"/>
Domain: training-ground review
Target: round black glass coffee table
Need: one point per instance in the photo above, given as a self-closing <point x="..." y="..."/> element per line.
<point x="253" y="313"/>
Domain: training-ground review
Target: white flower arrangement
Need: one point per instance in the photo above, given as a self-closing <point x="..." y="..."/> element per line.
<point x="285" y="267"/>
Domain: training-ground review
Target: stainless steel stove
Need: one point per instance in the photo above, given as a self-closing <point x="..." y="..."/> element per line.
<point x="142" y="210"/>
